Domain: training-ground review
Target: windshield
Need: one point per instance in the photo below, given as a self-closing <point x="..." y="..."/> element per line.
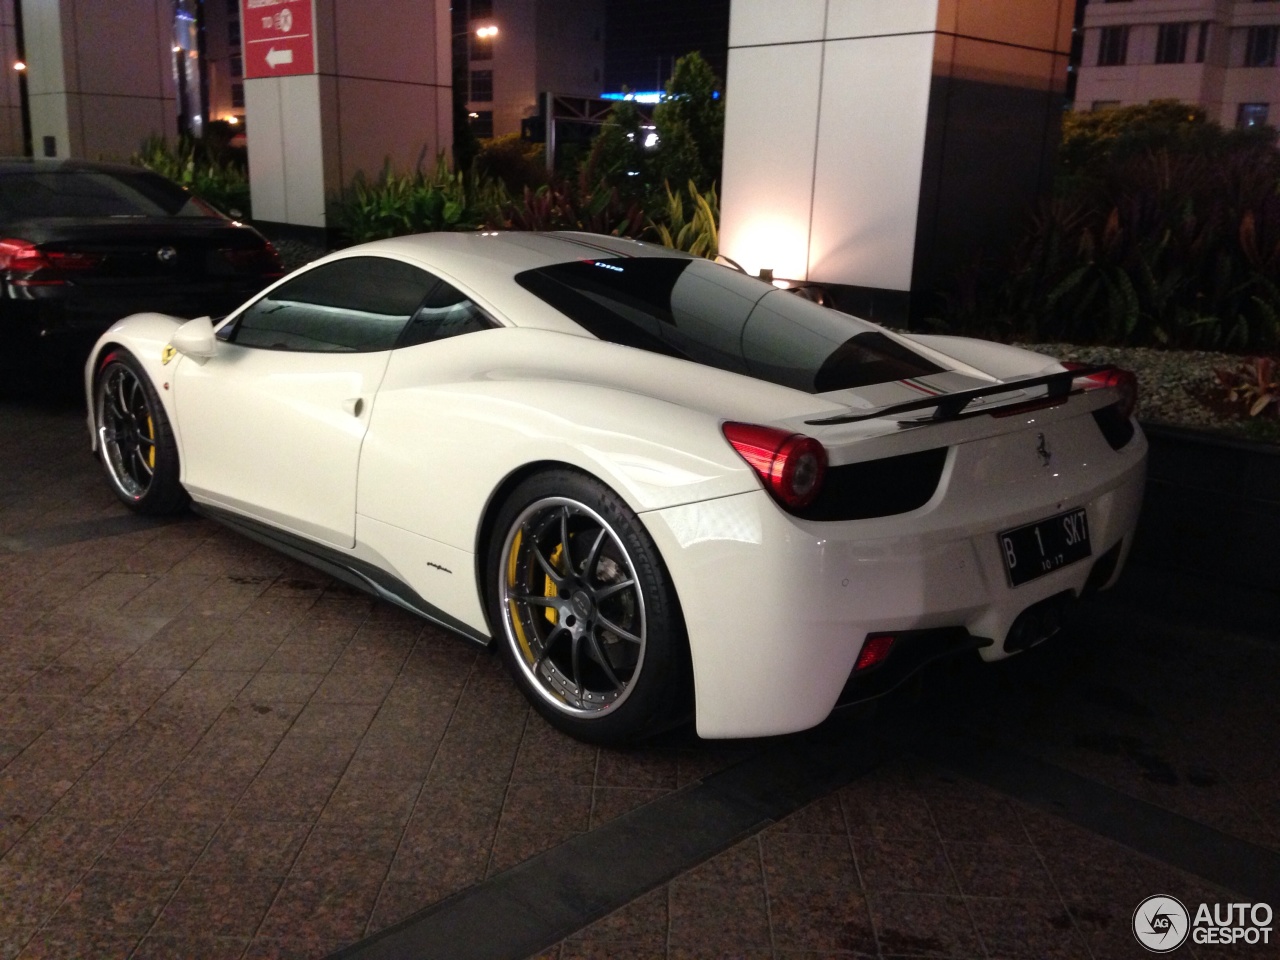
<point x="93" y="193"/>
<point x="700" y="311"/>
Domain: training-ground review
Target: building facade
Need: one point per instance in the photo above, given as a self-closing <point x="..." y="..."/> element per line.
<point x="529" y="48"/>
<point x="880" y="146"/>
<point x="1220" y="54"/>
<point x="79" y="95"/>
<point x="223" y="60"/>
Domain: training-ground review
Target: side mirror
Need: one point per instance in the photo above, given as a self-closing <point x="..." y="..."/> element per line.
<point x="195" y="339"/>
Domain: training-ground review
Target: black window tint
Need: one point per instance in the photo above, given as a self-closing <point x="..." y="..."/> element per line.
<point x="795" y="342"/>
<point x="92" y="193"/>
<point x="622" y="302"/>
<point x="446" y="312"/>
<point x="698" y="311"/>
<point x="356" y="305"/>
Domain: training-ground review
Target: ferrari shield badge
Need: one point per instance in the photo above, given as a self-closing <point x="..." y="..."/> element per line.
<point x="168" y="353"/>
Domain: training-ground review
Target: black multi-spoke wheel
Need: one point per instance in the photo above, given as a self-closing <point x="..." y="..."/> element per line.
<point x="585" y="614"/>
<point x="134" y="438"/>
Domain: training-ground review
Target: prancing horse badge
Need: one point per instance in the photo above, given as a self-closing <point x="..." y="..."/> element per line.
<point x="1041" y="448"/>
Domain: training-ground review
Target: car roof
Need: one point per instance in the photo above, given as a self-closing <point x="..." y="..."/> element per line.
<point x="65" y="165"/>
<point x="474" y="258"/>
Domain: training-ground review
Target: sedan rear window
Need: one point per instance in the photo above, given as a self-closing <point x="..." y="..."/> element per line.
<point x="93" y="193"/>
<point x="700" y="311"/>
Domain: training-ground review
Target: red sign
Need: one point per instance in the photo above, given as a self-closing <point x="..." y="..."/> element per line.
<point x="279" y="37"/>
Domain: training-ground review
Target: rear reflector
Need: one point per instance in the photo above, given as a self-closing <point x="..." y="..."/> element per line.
<point x="874" y="651"/>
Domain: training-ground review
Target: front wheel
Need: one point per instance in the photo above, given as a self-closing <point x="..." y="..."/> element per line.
<point x="586" y="616"/>
<point x="134" y="438"/>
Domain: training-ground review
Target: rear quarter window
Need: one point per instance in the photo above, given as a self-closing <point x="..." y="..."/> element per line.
<point x="700" y="311"/>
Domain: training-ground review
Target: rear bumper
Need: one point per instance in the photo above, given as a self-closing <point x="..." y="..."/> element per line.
<point x="777" y="609"/>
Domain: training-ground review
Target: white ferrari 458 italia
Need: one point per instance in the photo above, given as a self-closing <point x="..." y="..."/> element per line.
<point x="661" y="487"/>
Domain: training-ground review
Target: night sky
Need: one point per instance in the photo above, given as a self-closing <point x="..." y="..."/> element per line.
<point x="644" y="37"/>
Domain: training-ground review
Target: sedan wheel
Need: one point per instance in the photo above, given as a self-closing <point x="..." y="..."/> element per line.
<point x="134" y="438"/>
<point x="589" y="625"/>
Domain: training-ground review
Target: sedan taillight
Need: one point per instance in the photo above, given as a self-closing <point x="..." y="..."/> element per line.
<point x="262" y="260"/>
<point x="790" y="465"/>
<point x="21" y="259"/>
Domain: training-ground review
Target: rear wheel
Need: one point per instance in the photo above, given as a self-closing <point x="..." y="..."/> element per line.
<point x="586" y="616"/>
<point x="134" y="437"/>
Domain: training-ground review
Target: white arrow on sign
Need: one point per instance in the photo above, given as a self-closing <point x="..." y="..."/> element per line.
<point x="276" y="57"/>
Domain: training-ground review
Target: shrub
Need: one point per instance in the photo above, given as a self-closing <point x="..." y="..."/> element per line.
<point x="1254" y="385"/>
<point x="394" y="204"/>
<point x="698" y="234"/>
<point x="1174" y="243"/>
<point x="513" y="162"/>
<point x="580" y="204"/>
<point x="210" y="171"/>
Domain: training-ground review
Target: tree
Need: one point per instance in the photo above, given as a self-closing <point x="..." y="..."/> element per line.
<point x="690" y="126"/>
<point x="1094" y="141"/>
<point x="617" y="153"/>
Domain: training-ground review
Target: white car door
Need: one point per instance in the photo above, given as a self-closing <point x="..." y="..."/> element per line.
<point x="272" y="425"/>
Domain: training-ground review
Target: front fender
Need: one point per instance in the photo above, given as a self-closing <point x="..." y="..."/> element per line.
<point x="145" y="336"/>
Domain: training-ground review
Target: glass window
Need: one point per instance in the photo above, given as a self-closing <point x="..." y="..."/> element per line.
<point x="482" y="86"/>
<point x="1252" y="114"/>
<point x="1260" y="46"/>
<point x="480" y="9"/>
<point x="354" y="305"/>
<point x="68" y="192"/>
<point x="1171" y="43"/>
<point x="699" y="311"/>
<point x="446" y="312"/>
<point x="237" y="94"/>
<point x="481" y="47"/>
<point x="482" y="123"/>
<point x="237" y="65"/>
<point x="1202" y="45"/>
<point x="1113" y="49"/>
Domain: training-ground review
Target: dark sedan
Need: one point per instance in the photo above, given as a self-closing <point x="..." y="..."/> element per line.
<point x="85" y="244"/>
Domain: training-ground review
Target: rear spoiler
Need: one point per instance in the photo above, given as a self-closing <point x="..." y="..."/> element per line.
<point x="951" y="406"/>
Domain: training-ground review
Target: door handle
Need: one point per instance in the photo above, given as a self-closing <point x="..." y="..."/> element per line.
<point x="354" y="406"/>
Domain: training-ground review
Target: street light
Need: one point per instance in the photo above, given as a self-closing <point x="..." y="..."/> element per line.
<point x="485" y="34"/>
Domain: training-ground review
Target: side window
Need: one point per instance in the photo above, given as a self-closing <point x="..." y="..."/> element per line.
<point x="445" y="313"/>
<point x="356" y="305"/>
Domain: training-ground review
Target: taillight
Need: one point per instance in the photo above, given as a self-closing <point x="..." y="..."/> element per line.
<point x="263" y="260"/>
<point x="791" y="465"/>
<point x="1125" y="382"/>
<point x="874" y="651"/>
<point x="24" y="257"/>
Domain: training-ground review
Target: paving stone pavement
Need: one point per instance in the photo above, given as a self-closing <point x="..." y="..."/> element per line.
<point x="210" y="751"/>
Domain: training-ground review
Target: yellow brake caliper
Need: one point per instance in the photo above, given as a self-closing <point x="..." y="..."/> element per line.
<point x="151" y="435"/>
<point x="549" y="590"/>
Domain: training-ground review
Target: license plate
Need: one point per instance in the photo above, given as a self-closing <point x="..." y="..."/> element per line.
<point x="1038" y="548"/>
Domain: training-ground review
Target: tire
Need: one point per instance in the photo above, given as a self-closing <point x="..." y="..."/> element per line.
<point x="596" y="641"/>
<point x="135" y="441"/>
